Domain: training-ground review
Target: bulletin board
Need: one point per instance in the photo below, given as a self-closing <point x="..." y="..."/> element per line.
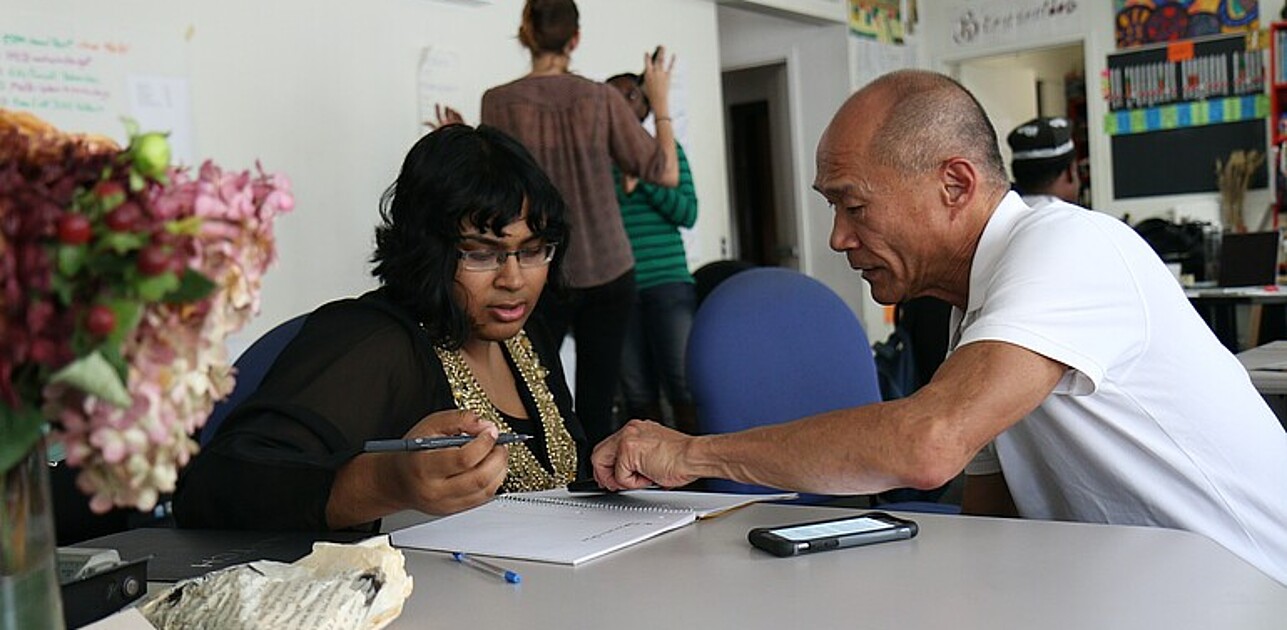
<point x="1174" y="109"/>
<point x="1181" y="161"/>
<point x="87" y="77"/>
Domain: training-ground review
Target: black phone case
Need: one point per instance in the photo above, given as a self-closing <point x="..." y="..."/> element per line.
<point x="763" y="538"/>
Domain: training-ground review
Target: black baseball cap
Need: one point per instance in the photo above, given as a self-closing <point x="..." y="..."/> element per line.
<point x="1043" y="138"/>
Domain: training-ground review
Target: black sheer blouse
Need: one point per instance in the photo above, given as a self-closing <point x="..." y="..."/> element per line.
<point x="359" y="369"/>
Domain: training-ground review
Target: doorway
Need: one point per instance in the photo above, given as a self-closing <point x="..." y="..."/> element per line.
<point x="1017" y="87"/>
<point x="758" y="145"/>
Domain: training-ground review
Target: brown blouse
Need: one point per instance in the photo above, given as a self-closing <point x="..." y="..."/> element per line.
<point x="576" y="129"/>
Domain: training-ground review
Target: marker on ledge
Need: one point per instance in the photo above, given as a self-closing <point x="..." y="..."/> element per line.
<point x="433" y="443"/>
<point x="487" y="567"/>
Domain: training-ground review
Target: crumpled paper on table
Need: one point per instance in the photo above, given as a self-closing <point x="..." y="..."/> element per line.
<point x="337" y="586"/>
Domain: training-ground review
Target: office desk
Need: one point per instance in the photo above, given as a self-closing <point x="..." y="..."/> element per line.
<point x="1218" y="306"/>
<point x="1266" y="381"/>
<point x="1272" y="384"/>
<point x="958" y="573"/>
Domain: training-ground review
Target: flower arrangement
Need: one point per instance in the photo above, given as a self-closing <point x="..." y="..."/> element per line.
<point x="120" y="278"/>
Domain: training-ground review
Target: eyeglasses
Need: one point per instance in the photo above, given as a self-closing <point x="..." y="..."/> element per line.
<point x="493" y="259"/>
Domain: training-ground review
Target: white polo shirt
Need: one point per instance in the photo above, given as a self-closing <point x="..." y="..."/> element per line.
<point x="1155" y="422"/>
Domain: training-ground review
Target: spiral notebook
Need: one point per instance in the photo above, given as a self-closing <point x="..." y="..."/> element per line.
<point x="560" y="527"/>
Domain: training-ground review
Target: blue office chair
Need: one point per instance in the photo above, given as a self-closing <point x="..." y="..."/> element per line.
<point x="770" y="345"/>
<point x="251" y="366"/>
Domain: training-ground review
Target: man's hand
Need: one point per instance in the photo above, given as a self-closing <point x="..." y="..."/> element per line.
<point x="444" y="116"/>
<point x="640" y="454"/>
<point x="628" y="183"/>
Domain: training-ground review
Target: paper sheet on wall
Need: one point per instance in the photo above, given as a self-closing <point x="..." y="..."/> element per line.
<point x="162" y="103"/>
<point x="870" y="59"/>
<point x="84" y="77"/>
<point x="438" y="83"/>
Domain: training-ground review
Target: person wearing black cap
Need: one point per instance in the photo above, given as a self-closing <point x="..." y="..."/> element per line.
<point x="1044" y="162"/>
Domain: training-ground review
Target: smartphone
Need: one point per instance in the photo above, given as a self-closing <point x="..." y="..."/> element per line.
<point x="836" y="533"/>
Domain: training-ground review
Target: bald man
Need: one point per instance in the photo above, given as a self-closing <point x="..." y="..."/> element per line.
<point x="1073" y="347"/>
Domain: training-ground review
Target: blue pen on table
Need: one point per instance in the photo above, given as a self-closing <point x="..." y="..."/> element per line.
<point x="431" y="443"/>
<point x="487" y="567"/>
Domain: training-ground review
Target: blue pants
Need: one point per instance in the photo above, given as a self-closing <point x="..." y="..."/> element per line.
<point x="653" y="357"/>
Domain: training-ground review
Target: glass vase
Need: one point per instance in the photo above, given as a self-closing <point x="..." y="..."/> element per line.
<point x="29" y="593"/>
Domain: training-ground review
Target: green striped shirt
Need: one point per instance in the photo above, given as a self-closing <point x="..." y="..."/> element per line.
<point x="653" y="215"/>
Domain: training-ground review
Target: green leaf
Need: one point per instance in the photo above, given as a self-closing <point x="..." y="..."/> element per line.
<point x="192" y="287"/>
<point x="71" y="258"/>
<point x="186" y="225"/>
<point x="112" y="354"/>
<point x="92" y="374"/>
<point x="128" y="313"/>
<point x="20" y="429"/>
<point x="63" y="288"/>
<point x="123" y="242"/>
<point x="137" y="182"/>
<point x="153" y="288"/>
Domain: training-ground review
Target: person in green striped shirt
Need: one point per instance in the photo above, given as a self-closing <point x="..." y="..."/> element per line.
<point x="666" y="298"/>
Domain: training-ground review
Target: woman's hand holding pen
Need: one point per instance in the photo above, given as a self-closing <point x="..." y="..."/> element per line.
<point x="453" y="479"/>
<point x="442" y="481"/>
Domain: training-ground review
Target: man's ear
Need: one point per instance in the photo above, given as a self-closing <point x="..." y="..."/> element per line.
<point x="573" y="43"/>
<point x="959" y="181"/>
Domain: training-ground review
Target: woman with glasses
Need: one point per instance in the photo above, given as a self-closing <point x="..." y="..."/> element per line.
<point x="577" y="129"/>
<point x="471" y="233"/>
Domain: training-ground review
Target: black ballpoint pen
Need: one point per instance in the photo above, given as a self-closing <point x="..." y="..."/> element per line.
<point x="431" y="443"/>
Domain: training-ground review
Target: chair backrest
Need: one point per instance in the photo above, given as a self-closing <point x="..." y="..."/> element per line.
<point x="770" y="345"/>
<point x="251" y="367"/>
<point x="710" y="275"/>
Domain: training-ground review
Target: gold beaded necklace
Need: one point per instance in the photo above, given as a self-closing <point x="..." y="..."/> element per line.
<point x="525" y="471"/>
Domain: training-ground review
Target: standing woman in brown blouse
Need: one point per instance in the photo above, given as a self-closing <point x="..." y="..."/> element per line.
<point x="577" y="129"/>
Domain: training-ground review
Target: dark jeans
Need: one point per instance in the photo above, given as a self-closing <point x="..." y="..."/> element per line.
<point x="653" y="359"/>
<point x="597" y="318"/>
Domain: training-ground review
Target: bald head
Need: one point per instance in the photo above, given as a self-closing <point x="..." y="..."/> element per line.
<point x="915" y="120"/>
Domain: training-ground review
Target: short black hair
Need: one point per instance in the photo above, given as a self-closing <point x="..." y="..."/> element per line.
<point x="1034" y="176"/>
<point x="624" y="75"/>
<point x="454" y="176"/>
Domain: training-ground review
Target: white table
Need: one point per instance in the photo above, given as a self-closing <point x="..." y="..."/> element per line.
<point x="1218" y="306"/>
<point x="959" y="573"/>
<point x="1266" y="381"/>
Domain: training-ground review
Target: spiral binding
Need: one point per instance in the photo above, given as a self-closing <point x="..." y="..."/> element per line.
<point x="619" y="502"/>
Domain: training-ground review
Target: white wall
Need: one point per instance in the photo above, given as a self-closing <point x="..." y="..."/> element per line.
<point x="816" y="58"/>
<point x="325" y="92"/>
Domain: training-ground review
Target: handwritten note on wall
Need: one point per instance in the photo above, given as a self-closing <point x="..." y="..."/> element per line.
<point x="57" y="74"/>
<point x="87" y="78"/>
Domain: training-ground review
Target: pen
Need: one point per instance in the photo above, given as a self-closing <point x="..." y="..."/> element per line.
<point x="431" y="443"/>
<point x="487" y="567"/>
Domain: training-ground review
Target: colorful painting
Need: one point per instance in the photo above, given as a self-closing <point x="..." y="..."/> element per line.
<point x="881" y="20"/>
<point x="1150" y="21"/>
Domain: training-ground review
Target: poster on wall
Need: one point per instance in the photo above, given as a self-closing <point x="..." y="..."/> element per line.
<point x="1140" y="22"/>
<point x="85" y="77"/>
<point x="879" y="20"/>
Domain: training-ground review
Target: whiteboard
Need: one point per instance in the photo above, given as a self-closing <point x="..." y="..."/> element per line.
<point x="86" y="77"/>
